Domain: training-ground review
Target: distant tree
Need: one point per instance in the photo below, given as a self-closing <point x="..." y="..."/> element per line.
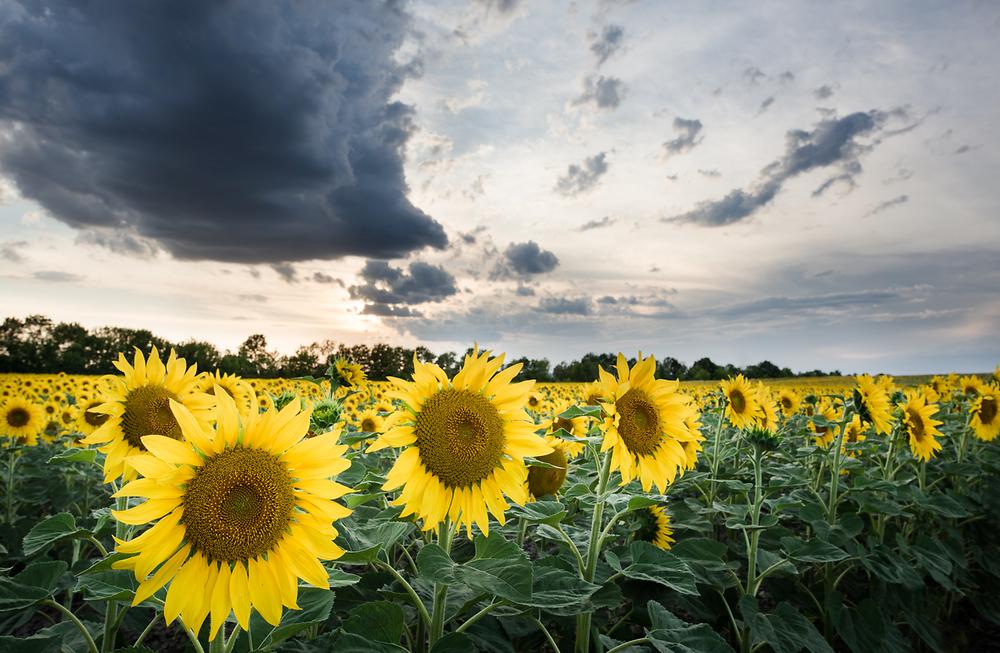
<point x="258" y="360"/>
<point x="537" y="369"/>
<point x="203" y="354"/>
<point x="704" y="369"/>
<point x="671" y="368"/>
<point x="449" y="362"/>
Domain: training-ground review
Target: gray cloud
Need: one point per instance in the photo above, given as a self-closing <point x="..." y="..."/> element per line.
<point x="521" y="260"/>
<point x="813" y="303"/>
<point x="524" y="291"/>
<point x="888" y="204"/>
<point x="324" y="278"/>
<point x="688" y="131"/>
<point x="709" y="173"/>
<point x="387" y="290"/>
<point x="605" y="92"/>
<point x="57" y="276"/>
<point x="824" y="92"/>
<point x="786" y="77"/>
<point x="286" y="271"/>
<point x="119" y="241"/>
<point x="753" y="74"/>
<point x="242" y="132"/>
<point x="606" y="221"/>
<point x="765" y="105"/>
<point x="606" y="43"/>
<point x="833" y="142"/>
<point x="583" y="177"/>
<point x="565" y="305"/>
<point x="11" y="250"/>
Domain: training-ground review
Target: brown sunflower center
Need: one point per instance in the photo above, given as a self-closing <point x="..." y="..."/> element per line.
<point x="147" y="412"/>
<point x="544" y="480"/>
<point x="915" y="423"/>
<point x="369" y="425"/>
<point x="737" y="401"/>
<point x="238" y="505"/>
<point x="92" y="418"/>
<point x="988" y="410"/>
<point x="786" y="403"/>
<point x="460" y="437"/>
<point x="639" y="422"/>
<point x="562" y="423"/>
<point x="18" y="417"/>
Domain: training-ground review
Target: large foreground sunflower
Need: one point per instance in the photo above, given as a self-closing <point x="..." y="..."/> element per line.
<point x="464" y="442"/>
<point x="918" y="416"/>
<point x="741" y="401"/>
<point x="138" y="404"/>
<point x="241" y="514"/>
<point x="22" y="420"/>
<point x="872" y="403"/>
<point x="645" y="424"/>
<point x="985" y="421"/>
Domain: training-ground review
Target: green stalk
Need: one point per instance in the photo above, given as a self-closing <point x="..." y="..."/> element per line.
<point x="758" y="501"/>
<point x="11" y="462"/>
<point x="440" y="589"/>
<point x="838" y="444"/>
<point x="593" y="551"/>
<point x="91" y="646"/>
<point x="716" y="459"/>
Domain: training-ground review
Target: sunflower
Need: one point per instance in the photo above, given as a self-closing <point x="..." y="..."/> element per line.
<point x="971" y="386"/>
<point x="644" y="423"/>
<point x="918" y="415"/>
<point x="996" y="375"/>
<point x="985" y="420"/>
<point x="241" y="391"/>
<point x="138" y="404"/>
<point x="546" y="480"/>
<point x="464" y="441"/>
<point x="789" y="401"/>
<point x="87" y="420"/>
<point x="369" y="421"/>
<point x="824" y="433"/>
<point x="350" y="374"/>
<point x="872" y="403"/>
<point x="767" y="414"/>
<point x="22" y="420"/>
<point x="573" y="425"/>
<point x="741" y="401"/>
<point x="854" y="431"/>
<point x="693" y="446"/>
<point x="659" y="531"/>
<point x="592" y="394"/>
<point x="241" y="514"/>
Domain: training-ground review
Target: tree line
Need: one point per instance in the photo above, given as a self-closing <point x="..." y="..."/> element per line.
<point x="36" y="344"/>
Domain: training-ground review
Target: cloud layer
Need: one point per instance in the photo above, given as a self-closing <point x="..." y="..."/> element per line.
<point x="233" y="132"/>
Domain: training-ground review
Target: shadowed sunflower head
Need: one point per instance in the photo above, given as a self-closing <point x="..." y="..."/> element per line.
<point x="544" y="481"/>
<point x="464" y="441"/>
<point x="654" y="527"/>
<point x="985" y="420"/>
<point x="871" y="401"/>
<point x="242" y="511"/>
<point x="918" y="416"/>
<point x="137" y="404"/>
<point x="644" y="425"/>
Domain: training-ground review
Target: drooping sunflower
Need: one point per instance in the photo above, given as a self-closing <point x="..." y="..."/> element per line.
<point x="658" y="530"/>
<point x="350" y="373"/>
<point x="138" y="404"/>
<point x="464" y="442"/>
<point x="544" y="481"/>
<point x="741" y="401"/>
<point x="22" y="420"/>
<point x="872" y="403"/>
<point x="644" y="423"/>
<point x="789" y="401"/>
<point x="242" y="511"/>
<point x="921" y="426"/>
<point x="985" y="420"/>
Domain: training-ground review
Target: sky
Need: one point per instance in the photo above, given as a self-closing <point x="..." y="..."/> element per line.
<point x="810" y="183"/>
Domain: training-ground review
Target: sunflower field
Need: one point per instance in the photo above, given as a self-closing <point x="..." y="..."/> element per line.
<point x="167" y="509"/>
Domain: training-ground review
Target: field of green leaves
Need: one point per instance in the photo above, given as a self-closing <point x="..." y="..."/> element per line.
<point x="166" y="510"/>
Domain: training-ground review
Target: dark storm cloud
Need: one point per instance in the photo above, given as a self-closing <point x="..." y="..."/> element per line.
<point x="888" y="204"/>
<point x="605" y="92"/>
<point x="688" y="131"/>
<point x="249" y="132"/>
<point x="388" y="290"/>
<point x="521" y="260"/>
<point x="57" y="276"/>
<point x="606" y="43"/>
<point x="583" y="177"/>
<point x="834" y="142"/>
<point x="590" y="225"/>
<point x="286" y="271"/>
<point x="565" y="305"/>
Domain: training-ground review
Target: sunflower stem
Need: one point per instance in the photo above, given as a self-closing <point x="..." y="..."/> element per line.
<point x="440" y="589"/>
<point x="11" y="462"/>
<point x="715" y="454"/>
<point x="146" y="630"/>
<point x="593" y="550"/>
<point x="218" y="645"/>
<point x="91" y="646"/>
<point x="835" y="472"/>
